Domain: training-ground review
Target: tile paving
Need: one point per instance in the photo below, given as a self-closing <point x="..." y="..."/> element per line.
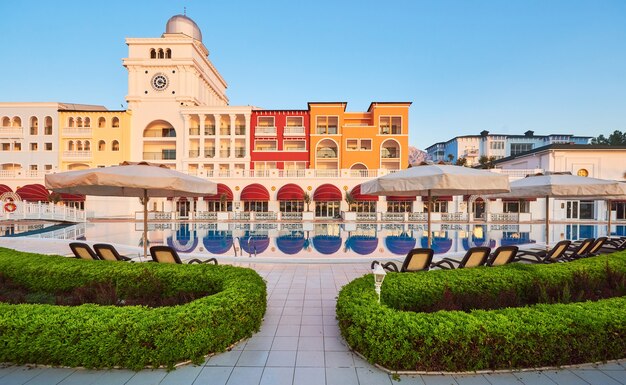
<point x="299" y="343"/>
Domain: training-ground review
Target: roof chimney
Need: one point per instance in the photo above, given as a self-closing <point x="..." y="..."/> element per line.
<point x="484" y="133"/>
<point x="529" y="133"/>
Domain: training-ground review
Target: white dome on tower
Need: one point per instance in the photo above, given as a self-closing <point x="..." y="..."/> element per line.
<point x="183" y="24"/>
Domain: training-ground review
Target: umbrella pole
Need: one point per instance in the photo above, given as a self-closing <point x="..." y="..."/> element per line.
<point x="608" y="202"/>
<point x="145" y="223"/>
<point x="430" y="208"/>
<point x="547" y="221"/>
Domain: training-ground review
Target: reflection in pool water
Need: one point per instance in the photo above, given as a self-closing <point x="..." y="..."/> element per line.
<point x="332" y="240"/>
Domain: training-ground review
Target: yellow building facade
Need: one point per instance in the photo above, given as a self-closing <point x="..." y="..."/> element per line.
<point x="93" y="138"/>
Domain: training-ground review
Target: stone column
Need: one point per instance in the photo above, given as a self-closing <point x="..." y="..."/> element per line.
<point x="201" y="117"/>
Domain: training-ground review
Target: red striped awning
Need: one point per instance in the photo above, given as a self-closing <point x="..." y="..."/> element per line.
<point x="33" y="193"/>
<point x="222" y="189"/>
<point x="356" y="194"/>
<point x="326" y="193"/>
<point x="4" y="189"/>
<point x="290" y="192"/>
<point x="255" y="192"/>
<point x="400" y="198"/>
<point x="443" y="198"/>
<point x="72" y="197"/>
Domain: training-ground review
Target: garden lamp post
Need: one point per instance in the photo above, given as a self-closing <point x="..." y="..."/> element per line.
<point x="379" y="277"/>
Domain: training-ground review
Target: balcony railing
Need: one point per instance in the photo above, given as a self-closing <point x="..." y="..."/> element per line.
<point x="327" y="173"/>
<point x="292" y="173"/>
<point x="259" y="173"/>
<point x="194" y="153"/>
<point x="265" y="131"/>
<point x="261" y="149"/>
<point x="77" y="154"/>
<point x="225" y="153"/>
<point x="225" y="131"/>
<point x="194" y="131"/>
<point x="209" y="152"/>
<point x="327" y="154"/>
<point x="159" y="155"/>
<point x="389" y="154"/>
<point x="363" y="173"/>
<point x="393" y="130"/>
<point x="209" y="130"/>
<point x="332" y="130"/>
<point x="223" y="173"/>
<point x="294" y="131"/>
<point x="240" y="152"/>
<point x="454" y="217"/>
<point x="11" y="132"/>
<point x="418" y="217"/>
<point x="240" y="130"/>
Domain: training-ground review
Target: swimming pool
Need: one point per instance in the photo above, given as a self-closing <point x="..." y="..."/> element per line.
<point x="326" y="240"/>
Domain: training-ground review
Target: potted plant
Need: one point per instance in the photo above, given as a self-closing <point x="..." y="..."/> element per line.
<point x="308" y="215"/>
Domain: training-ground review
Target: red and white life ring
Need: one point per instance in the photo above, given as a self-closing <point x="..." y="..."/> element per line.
<point x="10" y="207"/>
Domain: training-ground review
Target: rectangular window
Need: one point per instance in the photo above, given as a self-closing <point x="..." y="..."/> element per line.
<point x="295" y="121"/>
<point x="33" y="146"/>
<point x="366" y="145"/>
<point x="291" y="206"/>
<point x="6" y="147"/>
<point x="518" y="148"/>
<point x="47" y="167"/>
<point x="265" y="145"/>
<point x="168" y="154"/>
<point x="359" y="144"/>
<point x="352" y="144"/>
<point x="496" y="145"/>
<point x="33" y="130"/>
<point x="327" y="125"/>
<point x="33" y="167"/>
<point x="47" y="146"/>
<point x="400" y="207"/>
<point x="294" y="145"/>
<point x="438" y="206"/>
<point x="265" y="121"/>
<point x="390" y="125"/>
<point x="516" y="206"/>
<point x="17" y="146"/>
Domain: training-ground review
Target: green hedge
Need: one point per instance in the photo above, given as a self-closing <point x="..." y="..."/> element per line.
<point x="533" y="336"/>
<point x="134" y="337"/>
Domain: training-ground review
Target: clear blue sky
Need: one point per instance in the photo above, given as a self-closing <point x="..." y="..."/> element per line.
<point x="552" y="66"/>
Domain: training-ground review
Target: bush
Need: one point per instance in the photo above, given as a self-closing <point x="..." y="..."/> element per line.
<point x="398" y="336"/>
<point x="134" y="337"/>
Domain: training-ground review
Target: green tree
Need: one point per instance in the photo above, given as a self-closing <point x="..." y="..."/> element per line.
<point x="617" y="138"/>
<point x="461" y="162"/>
<point x="350" y="201"/>
<point x="486" y="162"/>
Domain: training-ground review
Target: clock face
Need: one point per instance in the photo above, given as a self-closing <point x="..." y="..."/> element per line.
<point x="159" y="82"/>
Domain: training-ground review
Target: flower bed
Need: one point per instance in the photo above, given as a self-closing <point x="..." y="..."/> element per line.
<point x="134" y="337"/>
<point x="399" y="336"/>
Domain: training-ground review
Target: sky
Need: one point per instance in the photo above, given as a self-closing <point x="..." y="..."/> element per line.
<point x="507" y="66"/>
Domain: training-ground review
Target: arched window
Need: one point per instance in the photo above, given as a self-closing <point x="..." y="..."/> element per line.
<point x="48" y="126"/>
<point x="87" y="122"/>
<point x="115" y="122"/>
<point x="101" y="122"/>
<point x="79" y="122"/>
<point x="161" y="54"/>
<point x="17" y="121"/>
<point x="34" y="125"/>
<point x="79" y="145"/>
<point x="70" y="122"/>
<point x="168" y="53"/>
<point x="152" y="54"/>
<point x="87" y="145"/>
<point x="115" y="145"/>
<point x="70" y="145"/>
<point x="6" y="122"/>
<point x="101" y="145"/>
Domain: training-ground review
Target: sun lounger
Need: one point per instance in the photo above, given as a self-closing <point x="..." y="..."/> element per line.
<point x="502" y="256"/>
<point x="83" y="251"/>
<point x="416" y="260"/>
<point x="544" y="256"/>
<point x="107" y="252"/>
<point x="475" y="256"/>
<point x="165" y="254"/>
<point x="612" y="245"/>
<point x="579" y="250"/>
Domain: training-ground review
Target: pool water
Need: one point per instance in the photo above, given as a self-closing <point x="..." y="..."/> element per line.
<point x="327" y="240"/>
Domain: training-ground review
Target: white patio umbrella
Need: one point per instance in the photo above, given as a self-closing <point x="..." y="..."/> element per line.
<point x="141" y="180"/>
<point x="563" y="186"/>
<point x="437" y="180"/>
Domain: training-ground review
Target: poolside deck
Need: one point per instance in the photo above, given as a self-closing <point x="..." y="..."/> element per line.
<point x="299" y="342"/>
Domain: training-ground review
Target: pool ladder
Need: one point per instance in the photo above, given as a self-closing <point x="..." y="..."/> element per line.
<point x="241" y="249"/>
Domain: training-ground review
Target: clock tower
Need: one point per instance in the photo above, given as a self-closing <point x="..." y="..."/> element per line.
<point x="165" y="75"/>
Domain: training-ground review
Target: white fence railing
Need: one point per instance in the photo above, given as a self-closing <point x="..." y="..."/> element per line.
<point x="42" y="210"/>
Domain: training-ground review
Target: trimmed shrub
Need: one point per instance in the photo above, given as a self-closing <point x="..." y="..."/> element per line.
<point x="399" y="337"/>
<point x="134" y="337"/>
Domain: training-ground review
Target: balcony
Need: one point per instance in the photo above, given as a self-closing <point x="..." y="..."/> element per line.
<point x="209" y="130"/>
<point x="265" y="131"/>
<point x="225" y="153"/>
<point x="293" y="131"/>
<point x="390" y="154"/>
<point x="77" y="154"/>
<point x="164" y="155"/>
<point x="327" y="173"/>
<point x="292" y="173"/>
<point x="194" y="131"/>
<point x="240" y="130"/>
<point x="331" y="130"/>
<point x="225" y="131"/>
<point x="266" y="148"/>
<point x="194" y="153"/>
<point x="11" y="132"/>
<point x="77" y="132"/>
<point x="240" y="152"/>
<point x="209" y="152"/>
<point x="393" y="130"/>
<point x="326" y="153"/>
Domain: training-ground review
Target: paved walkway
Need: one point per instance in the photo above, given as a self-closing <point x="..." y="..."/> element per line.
<point x="299" y="343"/>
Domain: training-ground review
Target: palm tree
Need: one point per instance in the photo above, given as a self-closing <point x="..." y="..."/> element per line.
<point x="350" y="200"/>
<point x="223" y="201"/>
